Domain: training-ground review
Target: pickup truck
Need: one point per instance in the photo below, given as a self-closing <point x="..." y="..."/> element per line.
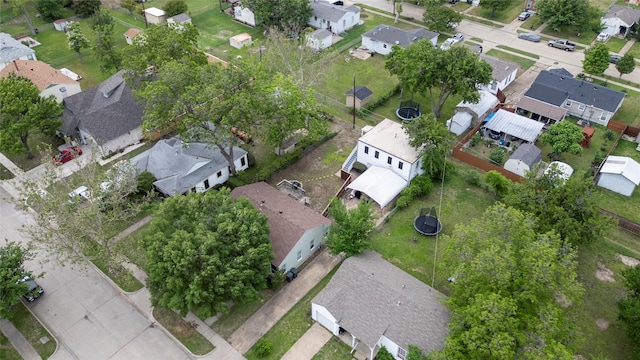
<point x="562" y="44"/>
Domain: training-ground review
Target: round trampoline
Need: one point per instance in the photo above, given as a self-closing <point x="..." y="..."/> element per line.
<point x="427" y="224"/>
<point x="408" y="110"/>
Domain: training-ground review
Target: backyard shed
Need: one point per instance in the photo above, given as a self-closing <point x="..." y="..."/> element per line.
<point x="460" y="122"/>
<point x="130" y="34"/>
<point x="320" y="39"/>
<point x="619" y="174"/>
<point x="155" y="16"/>
<point x="241" y="40"/>
<point x="363" y="95"/>
<point x="563" y="170"/>
<point x="61" y="24"/>
<point x="523" y="159"/>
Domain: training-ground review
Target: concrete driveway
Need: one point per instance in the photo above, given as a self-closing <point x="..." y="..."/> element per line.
<point x="309" y="344"/>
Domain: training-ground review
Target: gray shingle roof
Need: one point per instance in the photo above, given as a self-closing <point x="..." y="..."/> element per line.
<point x="550" y="86"/>
<point x="327" y="11"/>
<point x="370" y="298"/>
<point x="106" y="111"/>
<point x="178" y="168"/>
<point x="11" y="49"/>
<point x="392" y="35"/>
<point x="362" y="92"/>
<point x="288" y="218"/>
<point x="180" y="18"/>
<point x="627" y="14"/>
<point x="320" y="34"/>
<point x="527" y="153"/>
<point x="499" y="69"/>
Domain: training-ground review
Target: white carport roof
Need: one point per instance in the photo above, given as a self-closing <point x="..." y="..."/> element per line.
<point x="380" y="184"/>
<point x="514" y="124"/>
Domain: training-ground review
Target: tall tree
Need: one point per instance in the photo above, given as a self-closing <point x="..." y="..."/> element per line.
<point x="50" y="10"/>
<point x="85" y="8"/>
<point x="629" y="307"/>
<point x="569" y="208"/>
<point x="76" y="39"/>
<point x="498" y="182"/>
<point x="563" y="136"/>
<point x="626" y="65"/>
<point x="432" y="139"/>
<point x="352" y="229"/>
<point x="104" y="44"/>
<point x="175" y="7"/>
<point x="129" y="5"/>
<point x="438" y="17"/>
<point x="508" y="279"/>
<point x="205" y="249"/>
<point x="596" y="59"/>
<point x="289" y="17"/>
<point x="419" y="68"/>
<point x="495" y="5"/>
<point x="12" y="258"/>
<point x="23" y="112"/>
<point x="558" y="14"/>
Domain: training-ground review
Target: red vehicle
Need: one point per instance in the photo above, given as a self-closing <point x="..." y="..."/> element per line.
<point x="67" y="155"/>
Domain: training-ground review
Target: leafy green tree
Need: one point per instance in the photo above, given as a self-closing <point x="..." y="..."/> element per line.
<point x="289" y="17"/>
<point x="563" y="136"/>
<point x="495" y="5"/>
<point x="629" y="307"/>
<point x="384" y="354"/>
<point x="596" y="59"/>
<point x="433" y="140"/>
<point x="352" y="229"/>
<point x="129" y="5"/>
<point x="85" y="8"/>
<point x="558" y="14"/>
<point x="144" y="182"/>
<point x="569" y="208"/>
<point x="50" y="10"/>
<point x="398" y="11"/>
<point x="414" y="353"/>
<point x="104" y="44"/>
<point x="438" y="17"/>
<point x="508" y="279"/>
<point x="12" y="258"/>
<point x="175" y="7"/>
<point x="626" y="64"/>
<point x="498" y="182"/>
<point x="76" y="39"/>
<point x="205" y="249"/>
<point x="419" y="68"/>
<point x="23" y="112"/>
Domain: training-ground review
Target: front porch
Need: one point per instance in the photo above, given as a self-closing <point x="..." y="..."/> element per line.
<point x="359" y="350"/>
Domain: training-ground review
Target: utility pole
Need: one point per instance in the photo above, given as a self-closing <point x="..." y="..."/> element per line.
<point x="144" y="15"/>
<point x="354" y="102"/>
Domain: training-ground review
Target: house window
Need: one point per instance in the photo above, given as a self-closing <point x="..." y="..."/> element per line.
<point x="400" y="165"/>
<point x="242" y="161"/>
<point x="494" y="85"/>
<point x="299" y="255"/>
<point x="206" y="184"/>
<point x="219" y="174"/>
<point x="604" y="115"/>
<point x="389" y="160"/>
<point x="377" y="154"/>
<point x="315" y="18"/>
<point x="567" y="103"/>
<point x="312" y="244"/>
<point x="366" y="149"/>
<point x="581" y="107"/>
<point x="402" y="353"/>
<point x="344" y="23"/>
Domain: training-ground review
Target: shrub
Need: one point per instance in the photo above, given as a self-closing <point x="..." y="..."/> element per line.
<point x="476" y="139"/>
<point x="384" y="354"/>
<point x="419" y="186"/>
<point x="609" y="135"/>
<point x="144" y="182"/>
<point x="235" y="182"/>
<point x="472" y="178"/>
<point x="263" y="348"/>
<point x="276" y="279"/>
<point x="496" y="156"/>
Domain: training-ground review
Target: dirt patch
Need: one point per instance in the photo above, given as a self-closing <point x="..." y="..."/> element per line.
<point x="605" y="274"/>
<point x="602" y="324"/>
<point x="629" y="261"/>
<point x="562" y="300"/>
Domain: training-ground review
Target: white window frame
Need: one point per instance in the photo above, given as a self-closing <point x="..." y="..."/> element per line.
<point x="312" y="244"/>
<point x="299" y="255"/>
<point x="581" y="107"/>
<point x="567" y="103"/>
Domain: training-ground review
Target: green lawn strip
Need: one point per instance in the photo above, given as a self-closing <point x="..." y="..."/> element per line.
<point x="519" y="60"/>
<point x="131" y="246"/>
<point x="239" y="313"/>
<point x="625" y="206"/>
<point x="518" y="51"/>
<point x="620" y="80"/>
<point x="116" y="272"/>
<point x="292" y="325"/>
<point x="7" y="351"/>
<point x="616" y="44"/>
<point x="183" y="331"/>
<point x="585" y="38"/>
<point x="5" y="174"/>
<point x="460" y="6"/>
<point x="504" y="16"/>
<point x="532" y="24"/>
<point x="478" y="40"/>
<point x="33" y="331"/>
<point x="482" y="21"/>
<point x="335" y="349"/>
<point x="363" y="6"/>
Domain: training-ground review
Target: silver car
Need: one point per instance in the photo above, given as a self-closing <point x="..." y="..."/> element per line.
<point x="529" y="37"/>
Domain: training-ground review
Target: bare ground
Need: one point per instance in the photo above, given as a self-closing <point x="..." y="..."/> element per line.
<point x="605" y="274"/>
<point x="629" y="261"/>
<point x="602" y="324"/>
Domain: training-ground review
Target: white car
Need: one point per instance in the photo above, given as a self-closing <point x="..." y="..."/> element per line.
<point x="447" y="44"/>
<point x="603" y="37"/>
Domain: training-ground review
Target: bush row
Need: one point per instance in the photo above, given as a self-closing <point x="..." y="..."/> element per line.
<point x="419" y="186"/>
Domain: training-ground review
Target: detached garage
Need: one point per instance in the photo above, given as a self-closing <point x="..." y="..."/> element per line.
<point x="523" y="159"/>
<point x="619" y="174"/>
<point x="459" y="123"/>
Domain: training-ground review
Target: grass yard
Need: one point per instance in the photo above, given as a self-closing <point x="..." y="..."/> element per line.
<point x="532" y="23"/>
<point x="522" y="62"/>
<point x="239" y="313"/>
<point x="627" y="148"/>
<point x="504" y="16"/>
<point x="625" y="206"/>
<point x="7" y="351"/>
<point x="131" y="246"/>
<point x="292" y="325"/>
<point x="616" y="44"/>
<point x="518" y="51"/>
<point x="33" y="331"/>
<point x="43" y="148"/>
<point x="630" y="108"/>
<point x="460" y="6"/>
<point x="5" y="174"/>
<point x="635" y="50"/>
<point x="335" y="349"/>
<point x="585" y="38"/>
<point x="185" y="332"/>
<point x="116" y="272"/>
<point x="388" y="109"/>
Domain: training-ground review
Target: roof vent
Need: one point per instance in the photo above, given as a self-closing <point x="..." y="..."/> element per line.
<point x="280" y="212"/>
<point x="399" y="303"/>
<point x="397" y="42"/>
<point x="403" y="286"/>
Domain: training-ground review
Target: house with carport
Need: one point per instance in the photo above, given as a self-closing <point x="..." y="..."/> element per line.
<point x="513" y="127"/>
<point x="48" y="80"/>
<point x="11" y="49"/>
<point x="370" y="303"/>
<point x="384" y="37"/>
<point x="620" y="174"/>
<point x="335" y="18"/>
<point x="295" y="230"/>
<point x="619" y="20"/>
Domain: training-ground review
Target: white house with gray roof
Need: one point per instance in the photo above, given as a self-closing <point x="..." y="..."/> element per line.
<point x="334" y="18"/>
<point x="378" y="304"/>
<point x="502" y="72"/>
<point x="620" y="174"/>
<point x="618" y="20"/>
<point x="523" y="159"/>
<point x="181" y="167"/>
<point x="384" y="37"/>
<point x="320" y="39"/>
<point x="11" y="49"/>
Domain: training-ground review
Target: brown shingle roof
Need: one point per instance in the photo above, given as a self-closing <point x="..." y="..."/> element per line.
<point x="288" y="219"/>
<point x="42" y="75"/>
<point x="131" y="33"/>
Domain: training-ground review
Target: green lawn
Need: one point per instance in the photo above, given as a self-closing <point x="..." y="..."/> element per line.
<point x="504" y="16"/>
<point x="460" y="6"/>
<point x="43" y="148"/>
<point x="583" y="160"/>
<point x="519" y="60"/>
<point x="630" y="108"/>
<point x="518" y="51"/>
<point x="616" y="44"/>
<point x="635" y="50"/>
<point x="131" y="247"/>
<point x="335" y="349"/>
<point x="7" y="351"/>
<point x="572" y="35"/>
<point x="5" y="174"/>
<point x="33" y="331"/>
<point x="532" y="23"/>
<point x="239" y="313"/>
<point x="183" y="331"/>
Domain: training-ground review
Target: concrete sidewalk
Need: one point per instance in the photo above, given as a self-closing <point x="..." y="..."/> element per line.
<point x="274" y="309"/>
<point x="18" y="341"/>
<point x="309" y="344"/>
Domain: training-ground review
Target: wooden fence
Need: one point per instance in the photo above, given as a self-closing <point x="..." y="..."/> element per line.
<point x="623" y="222"/>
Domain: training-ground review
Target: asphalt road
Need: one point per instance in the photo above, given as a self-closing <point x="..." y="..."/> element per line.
<point x="88" y="317"/>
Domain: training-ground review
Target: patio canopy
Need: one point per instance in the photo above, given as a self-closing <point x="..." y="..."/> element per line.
<point x="380" y="184"/>
<point x="515" y="125"/>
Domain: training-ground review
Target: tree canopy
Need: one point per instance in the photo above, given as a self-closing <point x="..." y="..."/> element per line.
<point x="438" y="74"/>
<point x="76" y="39"/>
<point x="175" y="7"/>
<point x="104" y="44"/>
<point x="626" y="64"/>
<point x="432" y="139"/>
<point x="629" y="307"/>
<point x="289" y="16"/>
<point x="563" y="136"/>
<point x="85" y="7"/>
<point x="23" y="112"/>
<point x="205" y="249"/>
<point x="510" y="286"/>
<point x="438" y="17"/>
<point x="352" y="229"/>
<point x="558" y="14"/>
<point x="50" y="10"/>
<point x="596" y="59"/>
<point x="12" y="258"/>
<point x="495" y="5"/>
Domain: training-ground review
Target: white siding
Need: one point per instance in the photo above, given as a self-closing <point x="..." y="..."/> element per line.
<point x="407" y="172"/>
<point x="71" y="89"/>
<point x="304" y="246"/>
<point x="376" y="46"/>
<point x="390" y="345"/>
<point x="131" y="138"/>
<point x="244" y="15"/>
<point x="612" y="26"/>
<point x="517" y="167"/>
<point x="346" y="22"/>
<point x="31" y="56"/>
<point x="616" y="183"/>
<point x="319" y="44"/>
<point x="324" y="318"/>
<point x="587" y="112"/>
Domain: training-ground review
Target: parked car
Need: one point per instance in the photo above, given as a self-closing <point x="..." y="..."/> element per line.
<point x="33" y="291"/>
<point x="447" y="44"/>
<point x="524" y="15"/>
<point x="529" y="37"/>
<point x="66" y="155"/>
<point x="562" y="44"/>
<point x="79" y="195"/>
<point x="603" y="37"/>
<point x="614" y="59"/>
<point x="495" y="135"/>
<point x="458" y="36"/>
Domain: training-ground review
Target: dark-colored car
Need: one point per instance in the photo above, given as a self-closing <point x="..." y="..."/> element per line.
<point x="34" y="290"/>
<point x="67" y="155"/>
<point x="524" y="15"/>
<point x="495" y="135"/>
<point x="529" y="37"/>
<point x="614" y="59"/>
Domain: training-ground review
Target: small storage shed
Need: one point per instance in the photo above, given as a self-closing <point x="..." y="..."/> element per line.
<point x="619" y="174"/>
<point x="241" y="40"/>
<point x="61" y="25"/>
<point x="363" y="95"/>
<point x="523" y="159"/>
<point x="319" y="39"/>
<point x="460" y="122"/>
<point x="130" y="34"/>
<point x="179" y="19"/>
<point x="154" y="15"/>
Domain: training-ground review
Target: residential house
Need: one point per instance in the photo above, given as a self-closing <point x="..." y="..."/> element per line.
<point x="502" y="72"/>
<point x="130" y="34"/>
<point x="11" y="49"/>
<point x="378" y="304"/>
<point x="295" y="230"/>
<point x="61" y="25"/>
<point x="618" y="20"/>
<point x="620" y="174"/>
<point x="334" y="18"/>
<point x="244" y="15"/>
<point x="320" y="39"/>
<point x="513" y="127"/>
<point x="361" y="97"/>
<point x="523" y="159"/>
<point x="390" y="160"/>
<point x="47" y="79"/>
<point x="181" y="167"/>
<point x="107" y="116"/>
<point x="154" y="16"/>
<point x="179" y="20"/>
<point x="467" y="113"/>
<point x="555" y="93"/>
<point x="384" y="37"/>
